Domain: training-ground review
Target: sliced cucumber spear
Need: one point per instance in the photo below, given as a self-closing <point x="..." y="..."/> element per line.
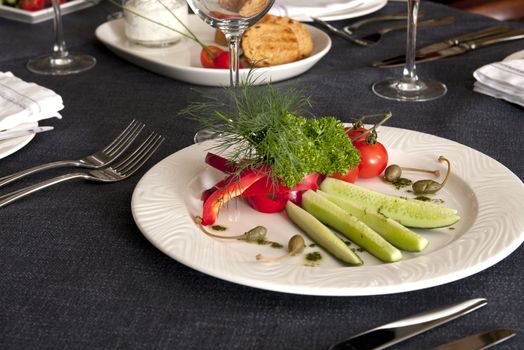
<point x="322" y="235"/>
<point x="393" y="232"/>
<point x="354" y="229"/>
<point x="408" y="212"/>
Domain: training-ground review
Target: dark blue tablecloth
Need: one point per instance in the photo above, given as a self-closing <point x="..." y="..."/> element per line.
<point x="76" y="273"/>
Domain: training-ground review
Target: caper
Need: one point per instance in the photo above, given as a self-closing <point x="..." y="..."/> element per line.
<point x="295" y="246"/>
<point x="392" y="173"/>
<point x="255" y="234"/>
<point x="426" y="187"/>
<point x="430" y="186"/>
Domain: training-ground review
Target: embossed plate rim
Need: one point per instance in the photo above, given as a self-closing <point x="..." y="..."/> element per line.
<point x="160" y="212"/>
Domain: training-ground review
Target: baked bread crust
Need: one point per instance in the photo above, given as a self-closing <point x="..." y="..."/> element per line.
<point x="276" y="40"/>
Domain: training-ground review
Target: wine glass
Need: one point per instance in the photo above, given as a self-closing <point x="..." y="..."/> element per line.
<point x="60" y="62"/>
<point x="409" y="87"/>
<point x="232" y="17"/>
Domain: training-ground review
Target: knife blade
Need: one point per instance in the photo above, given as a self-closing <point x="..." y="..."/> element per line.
<point x="397" y="331"/>
<point x="479" y="341"/>
<point x="425" y="51"/>
<point x="11" y="134"/>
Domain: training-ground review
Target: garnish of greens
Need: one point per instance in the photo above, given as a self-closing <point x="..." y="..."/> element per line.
<point x="261" y="126"/>
<point x="295" y="246"/>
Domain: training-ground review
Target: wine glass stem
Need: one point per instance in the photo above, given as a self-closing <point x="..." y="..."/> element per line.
<point x="233" y="43"/>
<point x="410" y="73"/>
<point x="59" y="48"/>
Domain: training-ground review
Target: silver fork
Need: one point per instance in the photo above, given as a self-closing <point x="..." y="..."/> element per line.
<point x="375" y="38"/>
<point x="99" y="159"/>
<point x="119" y="171"/>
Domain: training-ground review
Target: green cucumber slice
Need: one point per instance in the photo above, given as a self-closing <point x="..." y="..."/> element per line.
<point x="354" y="229"/>
<point x="408" y="212"/>
<point x="322" y="235"/>
<point x="393" y="232"/>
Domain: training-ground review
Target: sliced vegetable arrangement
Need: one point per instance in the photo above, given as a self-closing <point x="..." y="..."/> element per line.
<point x="278" y="160"/>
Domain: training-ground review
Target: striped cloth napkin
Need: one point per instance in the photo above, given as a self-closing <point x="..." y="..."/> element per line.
<point x="22" y="102"/>
<point x="503" y="80"/>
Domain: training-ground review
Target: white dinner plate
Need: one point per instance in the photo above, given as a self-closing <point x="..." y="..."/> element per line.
<point x="515" y="56"/>
<point x="182" y="61"/>
<point x="488" y="197"/>
<point x="361" y="8"/>
<point x="10" y="146"/>
<point x="44" y="14"/>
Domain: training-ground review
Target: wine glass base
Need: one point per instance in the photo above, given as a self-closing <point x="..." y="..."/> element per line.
<point x="400" y="90"/>
<point x="53" y="65"/>
<point x="205" y="134"/>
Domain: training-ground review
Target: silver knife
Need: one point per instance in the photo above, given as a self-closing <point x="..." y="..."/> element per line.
<point x="426" y="51"/>
<point x="479" y="341"/>
<point x="397" y="331"/>
<point x="11" y="134"/>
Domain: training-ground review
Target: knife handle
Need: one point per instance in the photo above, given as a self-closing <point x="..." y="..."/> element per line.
<point x="494" y="39"/>
<point x="501" y="28"/>
<point x="397" y="331"/>
<point x="479" y="34"/>
<point x="365" y="21"/>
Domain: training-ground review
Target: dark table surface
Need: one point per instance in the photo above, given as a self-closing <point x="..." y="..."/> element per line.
<point x="75" y="271"/>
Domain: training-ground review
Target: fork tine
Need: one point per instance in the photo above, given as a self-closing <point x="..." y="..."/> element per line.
<point x="123" y="134"/>
<point x="136" y="159"/>
<point x="121" y="145"/>
<point x="137" y="164"/>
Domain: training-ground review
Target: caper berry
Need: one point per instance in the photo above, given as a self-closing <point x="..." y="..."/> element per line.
<point x="426" y="187"/>
<point x="430" y="186"/>
<point x="392" y="173"/>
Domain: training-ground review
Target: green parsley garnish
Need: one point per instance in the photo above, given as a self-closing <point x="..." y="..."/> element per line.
<point x="260" y="125"/>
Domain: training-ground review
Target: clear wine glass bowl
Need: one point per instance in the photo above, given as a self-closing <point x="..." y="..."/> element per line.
<point x="60" y="61"/>
<point x="409" y="87"/>
<point x="232" y="17"/>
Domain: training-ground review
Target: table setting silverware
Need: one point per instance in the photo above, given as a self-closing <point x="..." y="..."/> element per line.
<point x="392" y="333"/>
<point x="118" y="171"/>
<point x="11" y="134"/>
<point x="375" y="38"/>
<point x="479" y="341"/>
<point x="349" y="34"/>
<point x="103" y="157"/>
<point x="337" y="31"/>
<point x="457" y="45"/>
<point x="356" y="25"/>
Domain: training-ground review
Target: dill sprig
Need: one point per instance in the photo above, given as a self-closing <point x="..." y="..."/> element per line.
<point x="262" y="126"/>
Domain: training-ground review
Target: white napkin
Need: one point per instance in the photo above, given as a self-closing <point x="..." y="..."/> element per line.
<point x="22" y="102"/>
<point x="299" y="9"/>
<point x="504" y="80"/>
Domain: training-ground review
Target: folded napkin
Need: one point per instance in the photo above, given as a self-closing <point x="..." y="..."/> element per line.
<point x="311" y="8"/>
<point x="504" y="80"/>
<point x="22" y="102"/>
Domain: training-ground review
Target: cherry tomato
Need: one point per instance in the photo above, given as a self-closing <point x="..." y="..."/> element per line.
<point x="222" y="61"/>
<point x="356" y="134"/>
<point x="208" y="55"/>
<point x="268" y="203"/>
<point x="350" y="176"/>
<point x="373" y="159"/>
<point x="31" y="5"/>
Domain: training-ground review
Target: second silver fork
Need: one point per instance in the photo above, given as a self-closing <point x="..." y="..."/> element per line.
<point x="119" y="171"/>
<point x="99" y="159"/>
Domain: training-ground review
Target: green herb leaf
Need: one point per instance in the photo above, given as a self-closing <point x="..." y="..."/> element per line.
<point x="260" y="125"/>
